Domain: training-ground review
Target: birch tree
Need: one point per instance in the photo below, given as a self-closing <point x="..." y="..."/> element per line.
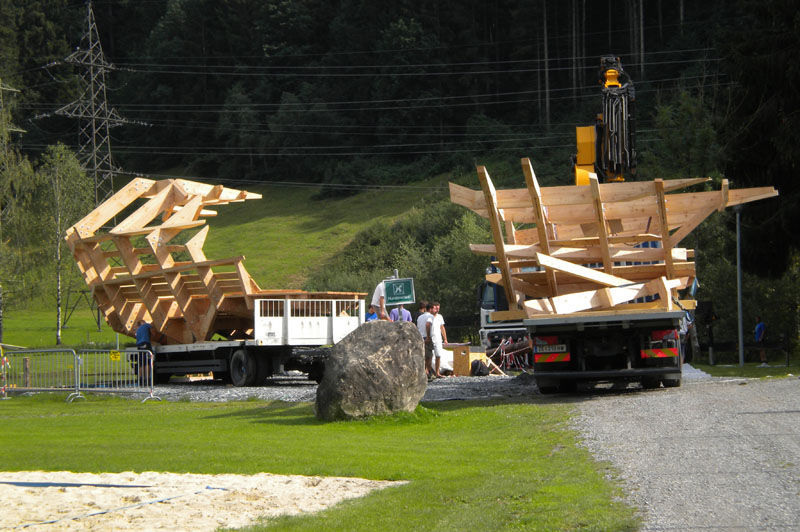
<point x="64" y="196"/>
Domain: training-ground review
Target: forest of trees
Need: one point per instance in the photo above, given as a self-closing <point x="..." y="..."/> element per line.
<point x="355" y="93"/>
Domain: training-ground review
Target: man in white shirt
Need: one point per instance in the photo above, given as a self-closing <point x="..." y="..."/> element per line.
<point x="379" y="301"/>
<point x="422" y="321"/>
<point x="437" y="334"/>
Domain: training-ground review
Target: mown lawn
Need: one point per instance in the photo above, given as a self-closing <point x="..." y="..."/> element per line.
<point x="37" y="328"/>
<point x="470" y="465"/>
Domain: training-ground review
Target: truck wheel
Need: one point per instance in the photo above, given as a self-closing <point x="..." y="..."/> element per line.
<point x="671" y="382"/>
<point x="243" y="368"/>
<point x="263" y="370"/>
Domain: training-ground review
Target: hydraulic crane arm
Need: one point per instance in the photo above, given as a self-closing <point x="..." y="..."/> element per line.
<point x="607" y="148"/>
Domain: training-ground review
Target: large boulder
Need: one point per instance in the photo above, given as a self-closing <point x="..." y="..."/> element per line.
<point x="377" y="369"/>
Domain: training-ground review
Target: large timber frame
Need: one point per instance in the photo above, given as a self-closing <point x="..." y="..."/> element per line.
<point x="610" y="227"/>
<point x="186" y="300"/>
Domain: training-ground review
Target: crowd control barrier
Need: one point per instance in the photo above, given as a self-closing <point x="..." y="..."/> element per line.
<point x="95" y="371"/>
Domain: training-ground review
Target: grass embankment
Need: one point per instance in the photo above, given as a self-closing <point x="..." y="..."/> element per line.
<point x="470" y="465"/>
<point x="287" y="234"/>
<point x="750" y="370"/>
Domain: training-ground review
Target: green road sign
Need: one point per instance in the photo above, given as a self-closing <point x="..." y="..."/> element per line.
<point x="399" y="291"/>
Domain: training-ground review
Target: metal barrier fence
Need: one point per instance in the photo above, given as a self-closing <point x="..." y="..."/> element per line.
<point x="96" y="371"/>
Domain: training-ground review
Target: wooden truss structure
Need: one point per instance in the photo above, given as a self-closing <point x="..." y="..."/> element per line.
<point x="593" y="248"/>
<point x="138" y="270"/>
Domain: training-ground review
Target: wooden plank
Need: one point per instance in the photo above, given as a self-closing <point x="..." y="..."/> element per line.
<point x="530" y="290"/>
<point x="497" y="235"/>
<point x="610" y="296"/>
<point x="226" y="195"/>
<point x="466" y="197"/>
<point x="179" y="267"/>
<point x="581" y="272"/>
<point x="635" y="273"/>
<point x="724" y="192"/>
<point x="112" y="206"/>
<point x="666" y="241"/>
<point x="147" y="212"/>
<point x="602" y="231"/>
<point x="534" y="191"/>
<point x="508" y="315"/>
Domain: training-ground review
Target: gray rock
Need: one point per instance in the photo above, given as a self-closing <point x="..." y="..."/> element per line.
<point x="377" y="369"/>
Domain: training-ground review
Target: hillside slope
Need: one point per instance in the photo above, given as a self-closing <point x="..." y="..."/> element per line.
<point x="287" y="234"/>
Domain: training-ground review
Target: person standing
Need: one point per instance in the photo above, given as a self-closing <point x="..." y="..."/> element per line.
<point x="399" y="313"/>
<point x="422" y="326"/>
<point x="437" y="334"/>
<point x="371" y="315"/>
<point x="379" y="301"/>
<point x="760" y="330"/>
<point x="141" y="366"/>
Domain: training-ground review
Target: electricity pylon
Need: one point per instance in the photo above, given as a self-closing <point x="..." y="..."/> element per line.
<point x="96" y="117"/>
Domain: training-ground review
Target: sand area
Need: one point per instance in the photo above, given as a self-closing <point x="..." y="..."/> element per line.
<point x="38" y="500"/>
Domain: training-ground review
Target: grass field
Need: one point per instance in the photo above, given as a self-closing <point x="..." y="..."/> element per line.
<point x="37" y="328"/>
<point x="471" y="465"/>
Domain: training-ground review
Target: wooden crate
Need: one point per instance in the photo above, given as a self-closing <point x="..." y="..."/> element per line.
<point x="462" y="359"/>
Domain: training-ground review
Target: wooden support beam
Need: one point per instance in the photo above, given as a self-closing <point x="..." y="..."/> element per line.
<point x="146" y="213"/>
<point x="497" y="234"/>
<point x="724" y="192"/>
<point x="535" y="193"/>
<point x="666" y="241"/>
<point x="611" y="296"/>
<point x="582" y="272"/>
<point x="136" y="188"/>
<point x="602" y="231"/>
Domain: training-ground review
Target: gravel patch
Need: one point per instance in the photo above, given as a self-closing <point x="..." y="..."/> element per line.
<point x="715" y="454"/>
<point x="296" y="387"/>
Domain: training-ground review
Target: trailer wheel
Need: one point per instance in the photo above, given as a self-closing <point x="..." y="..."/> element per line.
<point x="671" y="382"/>
<point x="244" y="368"/>
<point x="263" y="370"/>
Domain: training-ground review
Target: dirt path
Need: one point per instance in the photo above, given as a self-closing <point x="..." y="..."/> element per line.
<point x="719" y="455"/>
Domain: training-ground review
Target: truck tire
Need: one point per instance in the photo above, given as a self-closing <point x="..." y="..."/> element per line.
<point x="244" y="368"/>
<point x="263" y="370"/>
<point x="671" y="382"/>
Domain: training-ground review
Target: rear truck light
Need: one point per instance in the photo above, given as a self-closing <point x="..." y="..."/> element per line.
<point x="660" y="352"/>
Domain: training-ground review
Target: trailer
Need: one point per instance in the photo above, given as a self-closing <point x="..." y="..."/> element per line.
<point x="290" y="334"/>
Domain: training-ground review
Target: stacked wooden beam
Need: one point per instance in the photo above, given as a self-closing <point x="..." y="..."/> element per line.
<point x="136" y="270"/>
<point x="567" y="249"/>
